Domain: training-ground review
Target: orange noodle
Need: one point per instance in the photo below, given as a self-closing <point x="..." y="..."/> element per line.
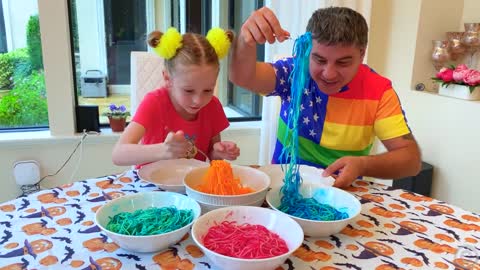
<point x="219" y="180"/>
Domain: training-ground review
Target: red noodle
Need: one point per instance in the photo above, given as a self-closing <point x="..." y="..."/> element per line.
<point x="245" y="241"/>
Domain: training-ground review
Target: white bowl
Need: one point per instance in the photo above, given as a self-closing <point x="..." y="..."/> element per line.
<point x="335" y="197"/>
<point x="274" y="221"/>
<point x="309" y="174"/>
<point x="169" y="174"/>
<point x="131" y="203"/>
<point x="249" y="177"/>
<point x="206" y="207"/>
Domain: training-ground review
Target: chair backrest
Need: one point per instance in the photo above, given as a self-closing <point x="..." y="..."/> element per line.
<point x="145" y="75"/>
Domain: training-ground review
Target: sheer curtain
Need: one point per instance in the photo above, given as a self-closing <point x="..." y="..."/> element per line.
<point x="294" y="19"/>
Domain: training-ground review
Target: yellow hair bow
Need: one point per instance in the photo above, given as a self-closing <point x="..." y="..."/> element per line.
<point x="219" y="41"/>
<point x="170" y="42"/>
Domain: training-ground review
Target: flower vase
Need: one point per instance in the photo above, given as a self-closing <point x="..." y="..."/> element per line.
<point x="117" y="124"/>
<point x="459" y="91"/>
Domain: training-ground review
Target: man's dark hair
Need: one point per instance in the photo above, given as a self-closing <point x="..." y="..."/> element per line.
<point x="338" y="25"/>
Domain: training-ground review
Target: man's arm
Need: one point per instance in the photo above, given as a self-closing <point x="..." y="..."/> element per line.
<point x="244" y="70"/>
<point x="402" y="159"/>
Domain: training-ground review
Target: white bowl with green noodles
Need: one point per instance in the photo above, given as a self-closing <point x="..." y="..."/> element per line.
<point x="149" y="221"/>
<point x="340" y="200"/>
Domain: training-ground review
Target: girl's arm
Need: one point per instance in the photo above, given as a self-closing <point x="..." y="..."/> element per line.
<point x="128" y="151"/>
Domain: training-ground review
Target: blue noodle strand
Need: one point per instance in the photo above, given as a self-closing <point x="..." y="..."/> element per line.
<point x="150" y="221"/>
<point x="292" y="201"/>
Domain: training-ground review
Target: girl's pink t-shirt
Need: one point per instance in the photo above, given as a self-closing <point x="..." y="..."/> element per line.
<point x="158" y="116"/>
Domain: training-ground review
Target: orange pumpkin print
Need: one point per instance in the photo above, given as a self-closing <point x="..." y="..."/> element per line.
<point x="413" y="226"/>
<point x="444" y="209"/>
<point x="471" y="240"/>
<point x="109" y="263"/>
<point x="352" y="247"/>
<point x="95" y="208"/>
<point x="434" y="247"/>
<point x="30" y="210"/>
<point x="87" y="223"/>
<point x="41" y="245"/>
<point x="98" y="244"/>
<point x="415" y="197"/>
<point x="7" y="208"/>
<point x="352" y="232"/>
<point x="466" y="264"/>
<point x="379" y="248"/>
<point x="56" y="211"/>
<point x="105" y="184"/>
<point x="76" y="263"/>
<point x="361" y="183"/>
<point x="471" y="218"/>
<point x="444" y="237"/>
<point x="412" y="261"/>
<point x="37" y="228"/>
<point x="386" y="213"/>
<point x="168" y="260"/>
<point x="419" y="208"/>
<point x="324" y="244"/>
<point x="50" y="198"/>
<point x="387" y="266"/>
<point x="194" y="251"/>
<point x="461" y="225"/>
<point x="14" y="266"/>
<point x="49" y="260"/>
<point x="329" y="268"/>
<point x="64" y="221"/>
<point x="356" y="189"/>
<point x="306" y="254"/>
<point x="441" y="265"/>
<point x="365" y="224"/>
<point x="397" y="206"/>
<point x="72" y="193"/>
<point x="11" y="245"/>
<point x="389" y="225"/>
<point x="373" y="198"/>
<point x="125" y="179"/>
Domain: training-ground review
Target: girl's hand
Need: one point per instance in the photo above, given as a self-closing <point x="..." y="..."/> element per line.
<point x="225" y="150"/>
<point x="175" y="145"/>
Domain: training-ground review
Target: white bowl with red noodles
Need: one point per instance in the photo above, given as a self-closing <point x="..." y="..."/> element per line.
<point x="256" y="181"/>
<point x="247" y="237"/>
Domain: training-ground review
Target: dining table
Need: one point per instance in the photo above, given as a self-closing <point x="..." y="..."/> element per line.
<point x="396" y="229"/>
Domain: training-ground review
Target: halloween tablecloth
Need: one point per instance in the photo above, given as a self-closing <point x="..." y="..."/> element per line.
<point x="55" y="229"/>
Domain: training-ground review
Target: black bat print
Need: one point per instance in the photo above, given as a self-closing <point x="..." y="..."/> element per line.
<point x="372" y="219"/>
<point x="130" y="256"/>
<point x="449" y="232"/>
<point x="424" y="258"/>
<point x="68" y="254"/>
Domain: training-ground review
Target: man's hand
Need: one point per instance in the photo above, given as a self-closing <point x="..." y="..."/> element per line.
<point x="348" y="168"/>
<point x="225" y="150"/>
<point x="263" y="26"/>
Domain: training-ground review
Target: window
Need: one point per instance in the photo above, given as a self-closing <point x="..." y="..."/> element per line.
<point x="109" y="30"/>
<point x="23" y="102"/>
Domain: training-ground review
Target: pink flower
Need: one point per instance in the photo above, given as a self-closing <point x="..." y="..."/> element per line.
<point x="460" y="72"/>
<point x="472" y="78"/>
<point x="445" y="74"/>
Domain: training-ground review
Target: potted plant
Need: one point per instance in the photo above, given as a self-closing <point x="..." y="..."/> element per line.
<point x="117" y="116"/>
<point x="459" y="82"/>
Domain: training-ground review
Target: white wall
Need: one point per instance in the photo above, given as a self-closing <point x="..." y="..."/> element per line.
<point x="17" y="14"/>
<point x="447" y="129"/>
<point x="95" y="159"/>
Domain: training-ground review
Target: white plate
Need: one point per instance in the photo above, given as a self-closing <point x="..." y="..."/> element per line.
<point x="169" y="174"/>
<point x="309" y="174"/>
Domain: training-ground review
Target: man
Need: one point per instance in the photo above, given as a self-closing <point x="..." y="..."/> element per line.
<point x="346" y="104"/>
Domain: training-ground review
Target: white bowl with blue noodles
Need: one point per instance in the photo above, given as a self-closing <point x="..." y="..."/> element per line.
<point x="148" y="221"/>
<point x="339" y="208"/>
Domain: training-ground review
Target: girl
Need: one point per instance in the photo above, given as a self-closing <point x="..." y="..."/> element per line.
<point x="182" y="119"/>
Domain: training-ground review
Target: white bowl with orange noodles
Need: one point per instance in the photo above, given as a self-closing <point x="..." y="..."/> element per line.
<point x="251" y="182"/>
<point x="284" y="236"/>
